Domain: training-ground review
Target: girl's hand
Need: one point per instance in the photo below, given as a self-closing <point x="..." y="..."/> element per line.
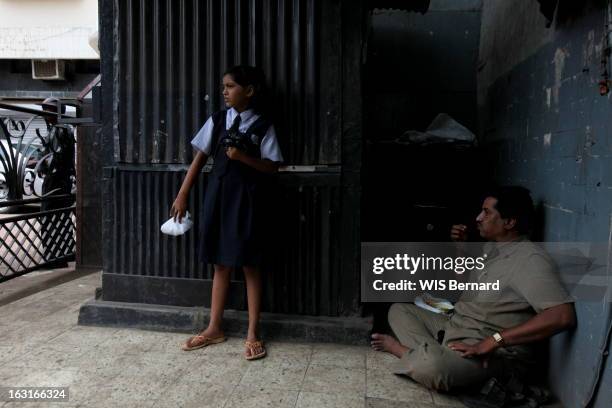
<point x="179" y="208"/>
<point x="234" y="153"/>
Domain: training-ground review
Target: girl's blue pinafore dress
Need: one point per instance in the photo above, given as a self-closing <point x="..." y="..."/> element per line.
<point x="231" y="227"/>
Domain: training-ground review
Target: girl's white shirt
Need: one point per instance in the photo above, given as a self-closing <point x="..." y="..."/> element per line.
<point x="269" y="146"/>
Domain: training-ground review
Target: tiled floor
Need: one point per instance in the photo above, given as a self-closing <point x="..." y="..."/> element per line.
<point x="41" y="345"/>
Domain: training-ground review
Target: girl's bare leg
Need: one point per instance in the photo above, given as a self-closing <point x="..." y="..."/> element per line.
<point x="253" y="283"/>
<point x="221" y="282"/>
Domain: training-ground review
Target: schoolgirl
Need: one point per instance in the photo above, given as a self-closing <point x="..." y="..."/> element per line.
<point x="243" y="143"/>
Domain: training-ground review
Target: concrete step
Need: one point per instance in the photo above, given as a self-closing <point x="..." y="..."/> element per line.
<point x="273" y="326"/>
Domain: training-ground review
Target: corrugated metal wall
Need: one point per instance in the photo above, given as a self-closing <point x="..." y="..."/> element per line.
<point x="302" y="257"/>
<point x="171" y="55"/>
<point x="167" y="60"/>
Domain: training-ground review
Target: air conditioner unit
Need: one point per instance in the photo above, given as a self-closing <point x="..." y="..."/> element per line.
<point x="49" y="70"/>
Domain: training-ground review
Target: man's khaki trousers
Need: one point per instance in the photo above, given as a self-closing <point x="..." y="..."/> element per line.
<point x="429" y="363"/>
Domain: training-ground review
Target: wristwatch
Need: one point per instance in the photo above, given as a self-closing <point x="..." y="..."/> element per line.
<point x="498" y="338"/>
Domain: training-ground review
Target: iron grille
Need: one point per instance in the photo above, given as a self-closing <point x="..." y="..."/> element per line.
<point x="31" y="241"/>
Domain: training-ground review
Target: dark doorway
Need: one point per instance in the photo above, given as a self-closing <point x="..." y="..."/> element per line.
<point x="419" y="66"/>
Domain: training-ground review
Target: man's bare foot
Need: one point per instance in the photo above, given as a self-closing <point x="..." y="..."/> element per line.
<point x="383" y="342"/>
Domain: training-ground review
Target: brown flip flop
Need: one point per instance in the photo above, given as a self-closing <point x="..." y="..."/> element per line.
<point x="199" y="341"/>
<point x="252" y="345"/>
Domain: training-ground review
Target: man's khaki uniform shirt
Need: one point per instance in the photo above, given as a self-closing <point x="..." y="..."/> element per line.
<point x="529" y="283"/>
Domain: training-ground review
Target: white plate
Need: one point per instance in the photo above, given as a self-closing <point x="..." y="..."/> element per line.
<point x="420" y="302"/>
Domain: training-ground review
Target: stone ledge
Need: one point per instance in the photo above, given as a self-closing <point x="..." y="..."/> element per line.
<point x="40" y="280"/>
<point x="342" y="330"/>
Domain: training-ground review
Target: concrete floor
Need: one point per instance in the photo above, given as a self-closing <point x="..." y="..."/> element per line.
<point x="42" y="345"/>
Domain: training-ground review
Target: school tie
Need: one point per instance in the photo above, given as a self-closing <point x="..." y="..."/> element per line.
<point x="236" y="124"/>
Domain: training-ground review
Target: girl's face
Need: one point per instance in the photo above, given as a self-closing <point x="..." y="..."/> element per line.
<point x="236" y="96"/>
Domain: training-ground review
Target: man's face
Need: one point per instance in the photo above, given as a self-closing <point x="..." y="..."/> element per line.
<point x="51" y="120"/>
<point x="489" y="222"/>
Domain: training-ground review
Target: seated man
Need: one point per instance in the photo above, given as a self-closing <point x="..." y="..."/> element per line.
<point x="489" y="333"/>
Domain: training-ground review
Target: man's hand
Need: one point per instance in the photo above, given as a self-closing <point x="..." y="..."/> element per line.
<point x="459" y="233"/>
<point x="482" y="348"/>
<point x="234" y="153"/>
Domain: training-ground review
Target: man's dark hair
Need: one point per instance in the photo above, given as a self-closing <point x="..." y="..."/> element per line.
<point x="514" y="202"/>
<point x="51" y="104"/>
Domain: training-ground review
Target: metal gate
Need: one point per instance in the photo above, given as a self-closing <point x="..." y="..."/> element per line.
<point x="37" y="184"/>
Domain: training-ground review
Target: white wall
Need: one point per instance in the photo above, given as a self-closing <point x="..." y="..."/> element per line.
<point x="47" y="29"/>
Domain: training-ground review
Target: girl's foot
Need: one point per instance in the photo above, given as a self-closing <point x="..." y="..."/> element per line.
<point x="204" y="338"/>
<point x="383" y="342"/>
<point x="254" y="348"/>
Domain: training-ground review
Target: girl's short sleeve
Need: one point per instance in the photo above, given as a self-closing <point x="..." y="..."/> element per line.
<point x="270" y="149"/>
<point x="203" y="139"/>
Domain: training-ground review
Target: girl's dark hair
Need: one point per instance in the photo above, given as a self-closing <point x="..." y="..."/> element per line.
<point x="246" y="75"/>
<point x="514" y="202"/>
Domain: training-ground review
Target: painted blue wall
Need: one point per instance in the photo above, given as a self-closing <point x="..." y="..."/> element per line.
<point x="545" y="126"/>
